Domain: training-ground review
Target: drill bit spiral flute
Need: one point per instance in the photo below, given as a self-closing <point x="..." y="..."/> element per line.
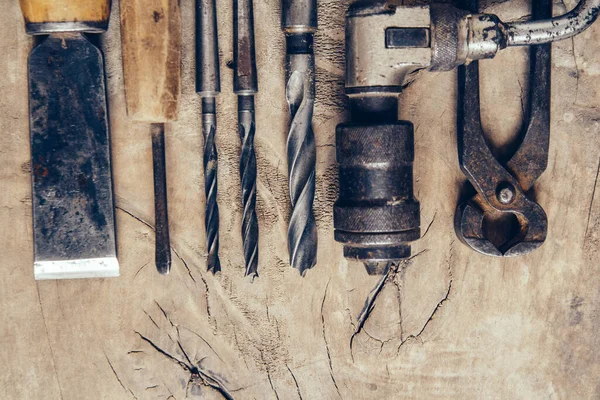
<point x="299" y="22"/>
<point x="245" y="86"/>
<point x="208" y="87"/>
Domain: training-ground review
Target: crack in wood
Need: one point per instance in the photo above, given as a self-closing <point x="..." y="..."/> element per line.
<point x="429" y="226"/>
<point x="277" y="329"/>
<point x="151" y="319"/>
<point x="266" y="365"/>
<point x="237" y="343"/>
<point x="182" y="364"/>
<point x="435" y="310"/>
<point x="180" y="345"/>
<point x="271" y="383"/>
<point x="185" y="264"/>
<point x="127" y="390"/>
<point x="589" y="214"/>
<point x="390" y="274"/>
<point x="168" y="390"/>
<point x="380" y="341"/>
<point x="326" y="343"/>
<point x="295" y="381"/>
<point x="140" y="269"/>
<point x="205" y="341"/>
<point x="132" y="215"/>
<point x="195" y="372"/>
<point x="183" y="261"/>
<point x="399" y="299"/>
<point x="52" y="359"/>
<point x="164" y="313"/>
<point x="368" y="308"/>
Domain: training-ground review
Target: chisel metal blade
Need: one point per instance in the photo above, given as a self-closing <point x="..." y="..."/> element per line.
<point x="73" y="210"/>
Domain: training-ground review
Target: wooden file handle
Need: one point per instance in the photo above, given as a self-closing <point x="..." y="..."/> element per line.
<point x="151" y="39"/>
<point x="48" y="16"/>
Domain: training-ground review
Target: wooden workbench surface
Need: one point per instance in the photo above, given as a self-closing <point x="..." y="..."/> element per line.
<point x="449" y="324"/>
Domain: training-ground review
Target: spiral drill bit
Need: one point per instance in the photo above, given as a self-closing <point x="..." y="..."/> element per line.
<point x="208" y="87"/>
<point x="299" y="22"/>
<point x="245" y="86"/>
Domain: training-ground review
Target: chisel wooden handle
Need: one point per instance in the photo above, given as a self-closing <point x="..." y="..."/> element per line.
<point x="151" y="39"/>
<point x="47" y="16"/>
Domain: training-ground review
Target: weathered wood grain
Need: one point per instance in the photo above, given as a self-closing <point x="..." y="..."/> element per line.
<point x="151" y="43"/>
<point x="447" y="324"/>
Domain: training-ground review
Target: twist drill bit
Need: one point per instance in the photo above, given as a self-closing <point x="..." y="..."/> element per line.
<point x="245" y="86"/>
<point x="299" y="22"/>
<point x="208" y="87"/>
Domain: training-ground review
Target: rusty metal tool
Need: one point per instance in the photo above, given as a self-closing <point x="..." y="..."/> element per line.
<point x="502" y="186"/>
<point x="208" y="86"/>
<point x="151" y="41"/>
<point x="376" y="216"/>
<point x="299" y="23"/>
<point x="245" y="85"/>
<point x="73" y="210"/>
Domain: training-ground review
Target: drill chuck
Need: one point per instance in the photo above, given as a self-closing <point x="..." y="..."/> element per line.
<point x="376" y="215"/>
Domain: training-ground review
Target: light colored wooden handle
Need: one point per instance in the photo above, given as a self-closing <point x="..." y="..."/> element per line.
<point x="151" y="39"/>
<point x="44" y="11"/>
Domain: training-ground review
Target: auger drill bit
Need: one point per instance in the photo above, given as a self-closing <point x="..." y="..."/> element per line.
<point x="299" y="22"/>
<point x="208" y="87"/>
<point x="245" y="86"/>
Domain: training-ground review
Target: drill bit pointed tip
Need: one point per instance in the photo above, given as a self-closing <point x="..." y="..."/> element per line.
<point x="214" y="267"/>
<point x="252" y="275"/>
<point x="303" y="269"/>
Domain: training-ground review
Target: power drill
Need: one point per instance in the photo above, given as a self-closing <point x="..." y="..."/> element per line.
<point x="376" y="216"/>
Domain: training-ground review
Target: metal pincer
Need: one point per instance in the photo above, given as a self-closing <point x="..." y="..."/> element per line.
<point x="502" y="187"/>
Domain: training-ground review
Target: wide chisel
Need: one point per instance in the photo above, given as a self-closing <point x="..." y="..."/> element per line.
<point x="73" y="211"/>
<point x="151" y="39"/>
